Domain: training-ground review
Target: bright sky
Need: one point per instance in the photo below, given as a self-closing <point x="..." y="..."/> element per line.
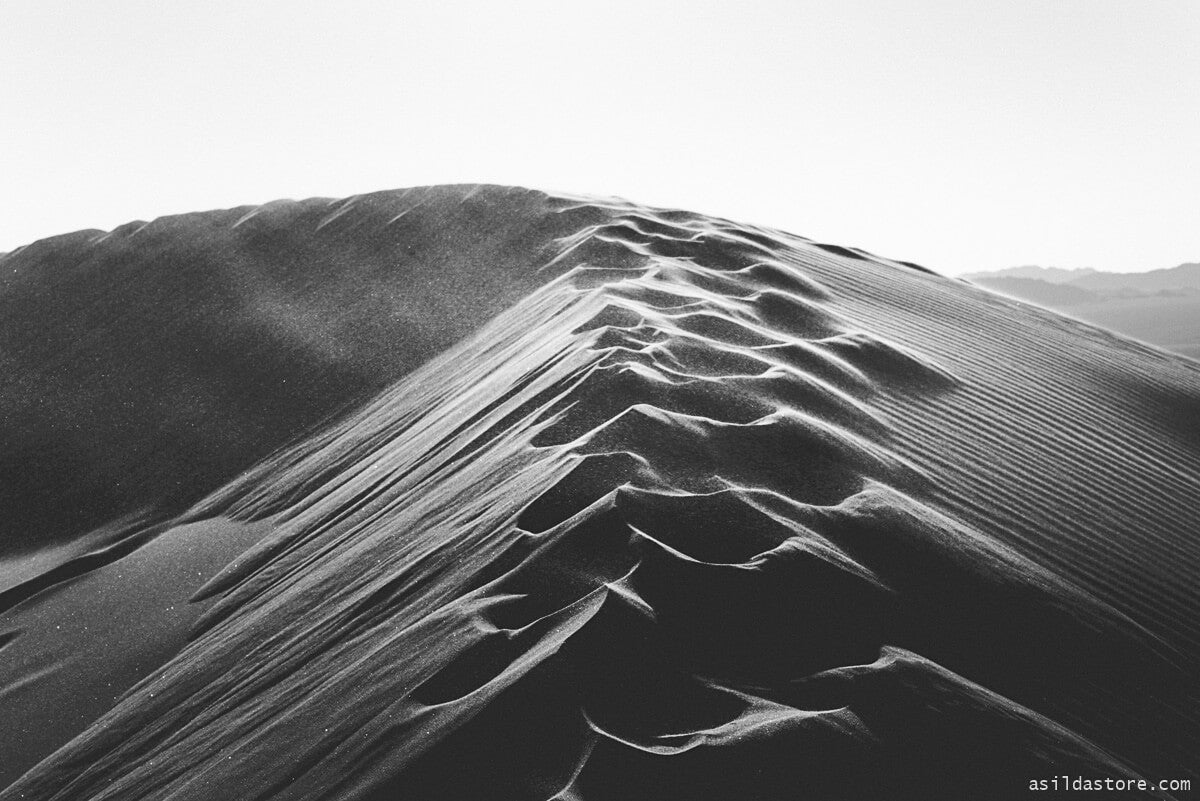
<point x="961" y="135"/>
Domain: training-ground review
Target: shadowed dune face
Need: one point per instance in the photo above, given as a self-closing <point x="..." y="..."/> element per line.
<point x="707" y="512"/>
<point x="151" y="364"/>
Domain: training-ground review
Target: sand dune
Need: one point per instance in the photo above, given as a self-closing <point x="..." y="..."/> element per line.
<point x="226" y="334"/>
<point x="636" y="504"/>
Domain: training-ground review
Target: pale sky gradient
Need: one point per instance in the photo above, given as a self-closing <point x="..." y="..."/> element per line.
<point x="960" y="134"/>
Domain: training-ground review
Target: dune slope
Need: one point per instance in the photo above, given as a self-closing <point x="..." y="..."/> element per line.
<point x="223" y="335"/>
<point x="707" y="511"/>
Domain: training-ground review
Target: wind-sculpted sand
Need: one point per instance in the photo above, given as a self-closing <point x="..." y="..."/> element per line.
<point x="674" y="508"/>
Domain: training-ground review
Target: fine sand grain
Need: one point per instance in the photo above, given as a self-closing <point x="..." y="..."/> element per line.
<point x="633" y="504"/>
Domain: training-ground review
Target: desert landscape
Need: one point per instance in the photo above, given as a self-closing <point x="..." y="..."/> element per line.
<point x="483" y="492"/>
<point x="1160" y="306"/>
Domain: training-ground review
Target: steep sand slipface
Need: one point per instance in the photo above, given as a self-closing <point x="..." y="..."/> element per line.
<point x="149" y="365"/>
<point x="82" y="644"/>
<point x="713" y="512"/>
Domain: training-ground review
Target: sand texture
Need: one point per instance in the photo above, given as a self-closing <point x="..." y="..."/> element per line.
<point x="482" y="493"/>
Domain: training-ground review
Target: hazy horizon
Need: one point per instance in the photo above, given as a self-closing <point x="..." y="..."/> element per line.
<point x="962" y="138"/>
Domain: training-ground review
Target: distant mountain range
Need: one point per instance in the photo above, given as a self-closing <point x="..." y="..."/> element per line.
<point x="1053" y="275"/>
<point x="1159" y="306"/>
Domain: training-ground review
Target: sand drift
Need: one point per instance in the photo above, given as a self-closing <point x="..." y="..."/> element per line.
<point x="480" y="493"/>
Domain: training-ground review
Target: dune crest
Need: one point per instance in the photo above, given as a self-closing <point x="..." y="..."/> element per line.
<point x="708" y="512"/>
